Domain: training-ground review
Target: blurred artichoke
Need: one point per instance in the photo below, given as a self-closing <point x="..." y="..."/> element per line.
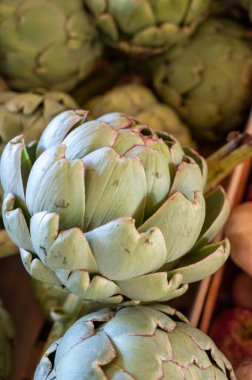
<point x="27" y="113"/>
<point x="48" y="44"/>
<point x="208" y="81"/>
<point x="140" y="102"/>
<point x="7" y="336"/>
<point x="247" y="4"/>
<point x="147" y="27"/>
<point x="112" y="210"/>
<point x="140" y="342"/>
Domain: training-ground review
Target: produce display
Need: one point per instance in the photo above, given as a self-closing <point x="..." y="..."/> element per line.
<point x="119" y="123"/>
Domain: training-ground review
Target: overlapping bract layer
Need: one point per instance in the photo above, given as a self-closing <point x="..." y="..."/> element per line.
<point x="147" y="27"/>
<point x="112" y="211"/>
<point x="49" y="44"/>
<point x="7" y="336"/>
<point x="134" y="343"/>
<point x="138" y="101"/>
<point x="208" y="80"/>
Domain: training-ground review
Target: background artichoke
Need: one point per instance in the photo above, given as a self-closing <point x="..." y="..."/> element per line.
<point x="137" y="100"/>
<point x="7" y="336"/>
<point x="208" y="81"/>
<point x="43" y="43"/>
<point x="147" y="27"/>
<point x="132" y="343"/>
<point x="137" y="197"/>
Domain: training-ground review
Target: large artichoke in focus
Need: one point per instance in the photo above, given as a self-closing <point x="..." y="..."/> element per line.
<point x="27" y="113"/>
<point x="147" y="27"/>
<point x="140" y="102"/>
<point x="112" y="210"/>
<point x="208" y="81"/>
<point x="48" y="44"/>
<point x="134" y="343"/>
<point x="7" y="336"/>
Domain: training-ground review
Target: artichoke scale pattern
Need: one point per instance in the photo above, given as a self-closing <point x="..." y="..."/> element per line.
<point x="111" y="210"/>
<point x="208" y="80"/>
<point x="130" y="343"/>
<point x="46" y="44"/>
<point x="147" y="27"/>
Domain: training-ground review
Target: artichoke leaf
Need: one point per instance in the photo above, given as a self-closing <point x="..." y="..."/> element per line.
<point x="109" y="180"/>
<point x="59" y="127"/>
<point x="152" y="287"/>
<point x="121" y="252"/>
<point x="15" y="223"/>
<point x="180" y="222"/>
<point x="88" y="138"/>
<point x="204" y="262"/>
<point x="37" y="269"/>
<point x="62" y="191"/>
<point x="118" y="120"/>
<point x="127" y="140"/>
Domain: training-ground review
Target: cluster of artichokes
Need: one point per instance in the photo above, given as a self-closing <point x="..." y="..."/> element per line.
<point x="110" y="204"/>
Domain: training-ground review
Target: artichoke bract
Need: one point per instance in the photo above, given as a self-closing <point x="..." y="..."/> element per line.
<point x="138" y="101"/>
<point x="112" y="210"/>
<point x="7" y="336"/>
<point x="48" y="44"/>
<point x="147" y="27"/>
<point x="208" y="80"/>
<point x="134" y="343"/>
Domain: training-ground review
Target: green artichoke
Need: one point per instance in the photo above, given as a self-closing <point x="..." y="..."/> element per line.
<point x="134" y="343"/>
<point x="7" y="336"/>
<point x="147" y="27"/>
<point x="140" y="102"/>
<point x="27" y="113"/>
<point x="208" y="81"/>
<point x="111" y="210"/>
<point x="48" y="44"/>
<point x="247" y="4"/>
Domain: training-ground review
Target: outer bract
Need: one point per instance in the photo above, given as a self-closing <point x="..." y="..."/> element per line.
<point x="111" y="210"/>
<point x="7" y="335"/>
<point x="43" y="43"/>
<point x="140" y="102"/>
<point x="27" y="113"/>
<point x="208" y="81"/>
<point x="147" y="27"/>
<point x="134" y="343"/>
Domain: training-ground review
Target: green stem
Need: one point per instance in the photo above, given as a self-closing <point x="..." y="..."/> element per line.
<point x="224" y="160"/>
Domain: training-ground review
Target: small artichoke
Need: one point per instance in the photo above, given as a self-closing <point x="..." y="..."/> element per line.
<point x="7" y="336"/>
<point x="208" y="81"/>
<point x="134" y="343"/>
<point x="48" y="44"/>
<point x="140" y="102"/>
<point x="147" y="27"/>
<point x="111" y="210"/>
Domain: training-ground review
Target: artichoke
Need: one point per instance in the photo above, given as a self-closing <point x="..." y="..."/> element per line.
<point x="27" y="113"/>
<point x="208" y="81"/>
<point x="147" y="27"/>
<point x="48" y="44"/>
<point x="140" y="102"/>
<point x="7" y="336"/>
<point x="140" y="343"/>
<point x="111" y="210"/>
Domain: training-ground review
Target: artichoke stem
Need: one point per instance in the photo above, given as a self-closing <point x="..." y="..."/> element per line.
<point x="224" y="160"/>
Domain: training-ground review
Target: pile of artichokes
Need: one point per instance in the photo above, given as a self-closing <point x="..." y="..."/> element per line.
<point x="112" y="209"/>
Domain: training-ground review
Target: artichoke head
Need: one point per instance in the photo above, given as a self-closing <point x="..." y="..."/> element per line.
<point x="208" y="80"/>
<point x="134" y="343"/>
<point x="140" y="102"/>
<point x="111" y="210"/>
<point x="147" y="27"/>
